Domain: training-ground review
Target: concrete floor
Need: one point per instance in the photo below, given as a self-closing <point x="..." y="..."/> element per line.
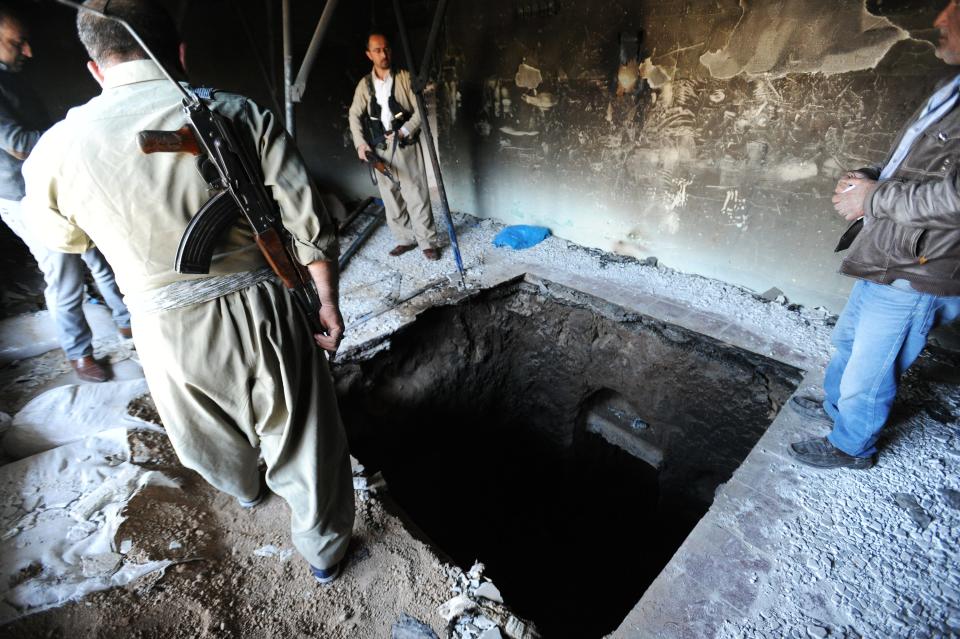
<point x="784" y="551"/>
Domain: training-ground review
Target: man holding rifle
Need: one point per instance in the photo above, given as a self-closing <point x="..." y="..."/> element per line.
<point x="231" y="361"/>
<point x="385" y="126"/>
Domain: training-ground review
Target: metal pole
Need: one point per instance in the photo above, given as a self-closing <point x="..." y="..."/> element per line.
<point x="347" y="221"/>
<point x="288" y="70"/>
<point x="300" y="85"/>
<point x="431" y="45"/>
<point x="425" y="125"/>
<point x="360" y="239"/>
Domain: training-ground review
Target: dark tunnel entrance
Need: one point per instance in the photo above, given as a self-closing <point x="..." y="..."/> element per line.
<point x="567" y="444"/>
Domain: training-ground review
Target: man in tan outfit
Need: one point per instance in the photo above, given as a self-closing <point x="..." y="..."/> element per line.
<point x="384" y="106"/>
<point x="229" y="358"/>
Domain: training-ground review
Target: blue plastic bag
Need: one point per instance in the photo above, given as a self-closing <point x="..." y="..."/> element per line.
<point x="521" y="236"/>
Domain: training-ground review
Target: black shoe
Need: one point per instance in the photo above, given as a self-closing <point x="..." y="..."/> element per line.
<point x="820" y="453"/>
<point x="809" y="407"/>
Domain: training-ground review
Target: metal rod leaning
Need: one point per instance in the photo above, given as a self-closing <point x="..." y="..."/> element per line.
<point x="425" y="121"/>
<point x="360" y="239"/>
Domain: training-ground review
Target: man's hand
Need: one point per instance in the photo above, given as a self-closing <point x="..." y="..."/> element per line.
<point x="851" y="194"/>
<point x="332" y="322"/>
<point x="362" y="151"/>
<point x="326" y="279"/>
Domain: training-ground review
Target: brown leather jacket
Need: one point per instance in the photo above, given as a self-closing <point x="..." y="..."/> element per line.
<point x="912" y="229"/>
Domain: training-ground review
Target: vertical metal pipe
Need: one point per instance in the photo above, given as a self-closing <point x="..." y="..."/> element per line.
<point x="431" y="43"/>
<point x="300" y="84"/>
<point x="288" y="70"/>
<point x="427" y="133"/>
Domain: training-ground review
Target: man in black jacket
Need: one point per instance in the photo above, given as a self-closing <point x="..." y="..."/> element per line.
<point x="907" y="259"/>
<point x="22" y="120"/>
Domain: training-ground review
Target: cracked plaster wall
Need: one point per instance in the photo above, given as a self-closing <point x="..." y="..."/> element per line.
<point x="715" y="146"/>
<point x="545" y="118"/>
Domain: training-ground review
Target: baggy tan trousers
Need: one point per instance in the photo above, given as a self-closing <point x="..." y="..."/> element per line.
<point x="408" y="209"/>
<point x="241" y="373"/>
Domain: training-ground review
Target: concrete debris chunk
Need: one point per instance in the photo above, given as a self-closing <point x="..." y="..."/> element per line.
<point x="456" y="607"/>
<point x="483" y="622"/>
<point x="476" y="571"/>
<point x="817" y="632"/>
<point x="951" y="497"/>
<point x="916" y="512"/>
<point x="774" y="295"/>
<point x="407" y="627"/>
<point x="272" y="551"/>
<point x="517" y="629"/>
<point x="491" y="633"/>
<point x="367" y="485"/>
<point x="488" y="591"/>
<point x="101" y="565"/>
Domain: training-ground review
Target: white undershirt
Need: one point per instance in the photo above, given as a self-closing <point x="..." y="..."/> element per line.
<point x="383" y="89"/>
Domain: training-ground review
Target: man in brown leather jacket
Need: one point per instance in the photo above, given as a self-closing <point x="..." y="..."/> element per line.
<point x="907" y="259"/>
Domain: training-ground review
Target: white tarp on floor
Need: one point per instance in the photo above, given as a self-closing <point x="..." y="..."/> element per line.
<point x="69" y="413"/>
<point x="60" y="509"/>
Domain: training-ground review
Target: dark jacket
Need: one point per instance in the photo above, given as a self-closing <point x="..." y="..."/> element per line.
<point x="22" y="120"/>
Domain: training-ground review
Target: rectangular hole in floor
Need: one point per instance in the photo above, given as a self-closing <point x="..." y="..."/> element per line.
<point x="565" y="442"/>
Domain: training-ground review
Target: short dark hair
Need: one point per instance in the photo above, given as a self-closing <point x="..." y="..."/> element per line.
<point x="10" y="11"/>
<point x="108" y="42"/>
<point x="374" y="32"/>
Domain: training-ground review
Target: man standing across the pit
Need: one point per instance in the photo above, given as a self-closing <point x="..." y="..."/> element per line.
<point x="231" y="362"/>
<point x="907" y="259"/>
<point x="22" y="121"/>
<point x="384" y="119"/>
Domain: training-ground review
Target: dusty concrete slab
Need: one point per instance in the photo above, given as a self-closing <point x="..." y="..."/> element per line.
<point x="792" y="550"/>
<point x="374" y="282"/>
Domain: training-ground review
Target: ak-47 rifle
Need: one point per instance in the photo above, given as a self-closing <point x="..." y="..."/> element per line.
<point x="239" y="190"/>
<point x="379" y="165"/>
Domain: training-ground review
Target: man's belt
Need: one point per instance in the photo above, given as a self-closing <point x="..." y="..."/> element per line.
<point x="189" y="292"/>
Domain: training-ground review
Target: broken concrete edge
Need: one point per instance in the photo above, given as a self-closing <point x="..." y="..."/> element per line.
<point x="609" y="299"/>
<point x="719" y="568"/>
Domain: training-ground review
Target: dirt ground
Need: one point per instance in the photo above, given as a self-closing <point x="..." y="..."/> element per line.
<point x="236" y="573"/>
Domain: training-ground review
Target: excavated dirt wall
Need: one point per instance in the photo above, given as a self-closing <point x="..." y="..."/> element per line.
<point x="539" y="429"/>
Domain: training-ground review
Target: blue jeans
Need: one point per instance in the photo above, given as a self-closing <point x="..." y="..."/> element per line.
<point x="63" y="273"/>
<point x="879" y="335"/>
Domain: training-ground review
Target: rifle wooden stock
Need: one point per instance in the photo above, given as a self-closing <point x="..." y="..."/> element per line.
<point x="180" y="141"/>
<point x="279" y="259"/>
<point x="294" y="276"/>
<point x="377" y="163"/>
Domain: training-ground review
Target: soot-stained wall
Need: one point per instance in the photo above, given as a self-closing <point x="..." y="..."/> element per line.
<point x="713" y="141"/>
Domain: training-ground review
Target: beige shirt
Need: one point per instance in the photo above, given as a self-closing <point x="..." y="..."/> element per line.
<point x="88" y="183"/>
<point x="403" y="93"/>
